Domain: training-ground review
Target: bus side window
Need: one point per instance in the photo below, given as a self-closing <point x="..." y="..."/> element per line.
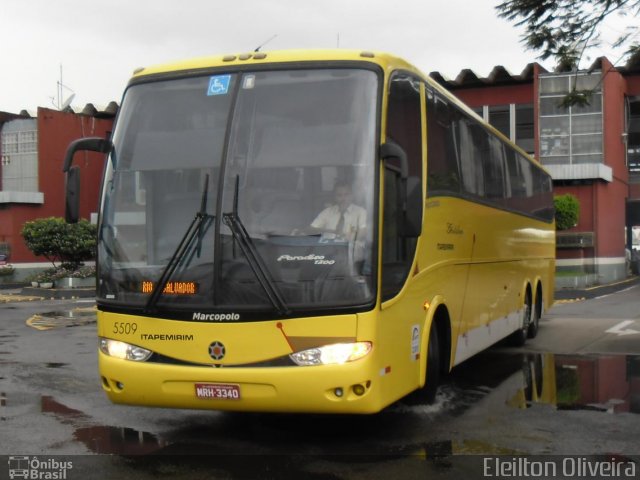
<point x="496" y="183"/>
<point x="471" y="145"/>
<point x="404" y="127"/>
<point x="443" y="170"/>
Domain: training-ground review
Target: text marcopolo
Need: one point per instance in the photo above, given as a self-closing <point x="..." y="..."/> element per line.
<point x="216" y="317"/>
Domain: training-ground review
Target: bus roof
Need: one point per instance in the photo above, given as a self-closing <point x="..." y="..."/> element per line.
<point x="384" y="60"/>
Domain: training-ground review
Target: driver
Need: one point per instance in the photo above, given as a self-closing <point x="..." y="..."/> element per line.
<point x="342" y="220"/>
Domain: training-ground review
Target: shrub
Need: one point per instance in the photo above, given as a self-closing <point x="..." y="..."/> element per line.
<point x="59" y="241"/>
<point x="68" y="270"/>
<point x="6" y="270"/>
<point x="48" y="275"/>
<point x="567" y="211"/>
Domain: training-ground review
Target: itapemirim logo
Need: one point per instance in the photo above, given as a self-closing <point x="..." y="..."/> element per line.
<point x="21" y="466"/>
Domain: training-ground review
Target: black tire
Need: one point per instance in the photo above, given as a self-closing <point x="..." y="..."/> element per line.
<point x="519" y="337"/>
<point x="433" y="365"/>
<point x="427" y="394"/>
<point x="536" y="313"/>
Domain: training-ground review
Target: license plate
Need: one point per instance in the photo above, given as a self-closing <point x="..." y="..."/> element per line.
<point x="217" y="391"/>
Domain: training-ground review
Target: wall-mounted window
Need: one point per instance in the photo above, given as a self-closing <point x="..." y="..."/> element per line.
<point x="524" y="126"/>
<point x="570" y="135"/>
<point x="19" y="156"/>
<point x="633" y="138"/>
<point x="499" y="117"/>
<point x="514" y="121"/>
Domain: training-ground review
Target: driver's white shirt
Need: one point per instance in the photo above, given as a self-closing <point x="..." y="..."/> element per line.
<point x="354" y="220"/>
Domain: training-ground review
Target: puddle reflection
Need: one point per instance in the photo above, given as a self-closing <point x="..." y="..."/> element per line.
<point x="497" y="380"/>
<point x="100" y="438"/>
<point x="606" y="383"/>
<point x="63" y="318"/>
<point x="118" y="440"/>
<point x="55" y="365"/>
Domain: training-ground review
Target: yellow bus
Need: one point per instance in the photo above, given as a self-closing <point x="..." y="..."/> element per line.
<point x="307" y="231"/>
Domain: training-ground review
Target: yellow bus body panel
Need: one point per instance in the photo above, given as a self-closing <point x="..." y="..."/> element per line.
<point x="263" y="388"/>
<point x="480" y="260"/>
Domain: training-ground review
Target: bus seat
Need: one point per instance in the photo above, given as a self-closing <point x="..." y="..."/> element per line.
<point x="277" y="213"/>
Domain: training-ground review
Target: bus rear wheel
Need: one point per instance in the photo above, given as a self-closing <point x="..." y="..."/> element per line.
<point x="520" y="336"/>
<point x="536" y="313"/>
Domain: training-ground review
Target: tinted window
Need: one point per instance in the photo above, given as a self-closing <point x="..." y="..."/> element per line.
<point x="494" y="175"/>
<point x="442" y="156"/>
<point x="467" y="159"/>
<point x="404" y="127"/>
<point x="471" y="145"/>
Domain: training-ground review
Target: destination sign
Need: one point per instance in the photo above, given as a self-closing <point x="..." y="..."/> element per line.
<point x="172" y="288"/>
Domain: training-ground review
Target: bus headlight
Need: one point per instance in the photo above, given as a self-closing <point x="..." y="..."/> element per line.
<point x="124" y="351"/>
<point x="335" y="354"/>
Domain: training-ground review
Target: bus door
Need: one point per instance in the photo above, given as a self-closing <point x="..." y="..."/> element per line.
<point x="402" y="221"/>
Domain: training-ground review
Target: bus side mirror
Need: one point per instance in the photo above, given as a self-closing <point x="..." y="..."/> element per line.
<point x="92" y="144"/>
<point x="72" y="202"/>
<point x="391" y="150"/>
<point x="413" y="215"/>
<point x="408" y="190"/>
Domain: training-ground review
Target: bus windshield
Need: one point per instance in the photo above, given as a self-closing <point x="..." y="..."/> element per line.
<point x="246" y="192"/>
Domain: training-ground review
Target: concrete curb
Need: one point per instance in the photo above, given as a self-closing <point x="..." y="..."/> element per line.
<point x="566" y="295"/>
<point x="59" y="293"/>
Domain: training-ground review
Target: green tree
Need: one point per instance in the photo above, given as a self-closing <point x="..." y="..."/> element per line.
<point x="567" y="211"/>
<point x="566" y="29"/>
<point x="59" y="241"/>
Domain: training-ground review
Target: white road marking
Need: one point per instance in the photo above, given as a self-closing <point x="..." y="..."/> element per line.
<point x="620" y="330"/>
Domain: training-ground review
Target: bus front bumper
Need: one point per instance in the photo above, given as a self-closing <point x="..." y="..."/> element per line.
<point x="346" y="388"/>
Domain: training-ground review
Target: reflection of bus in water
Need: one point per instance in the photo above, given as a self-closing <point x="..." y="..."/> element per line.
<point x="606" y="383"/>
<point x="537" y="383"/>
<point x="220" y="288"/>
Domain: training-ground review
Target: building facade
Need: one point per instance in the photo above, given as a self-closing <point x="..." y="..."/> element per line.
<point x="592" y="151"/>
<point x="31" y="178"/>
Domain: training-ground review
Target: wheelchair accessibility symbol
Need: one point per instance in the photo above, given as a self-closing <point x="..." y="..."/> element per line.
<point x="219" y="85"/>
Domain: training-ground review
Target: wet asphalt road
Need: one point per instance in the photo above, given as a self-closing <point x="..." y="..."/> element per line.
<point x="574" y="390"/>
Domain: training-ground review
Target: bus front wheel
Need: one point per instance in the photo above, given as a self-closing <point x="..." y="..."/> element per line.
<point x="427" y="393"/>
<point x="433" y="365"/>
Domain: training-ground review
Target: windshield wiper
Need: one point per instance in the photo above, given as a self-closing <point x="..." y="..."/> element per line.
<point x="260" y="270"/>
<point x="199" y="226"/>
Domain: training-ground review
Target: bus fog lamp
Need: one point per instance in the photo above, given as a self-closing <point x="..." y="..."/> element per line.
<point x="358" y="389"/>
<point x="335" y="354"/>
<point x="124" y="351"/>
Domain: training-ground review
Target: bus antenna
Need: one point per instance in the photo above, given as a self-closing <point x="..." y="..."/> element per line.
<point x="264" y="43"/>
